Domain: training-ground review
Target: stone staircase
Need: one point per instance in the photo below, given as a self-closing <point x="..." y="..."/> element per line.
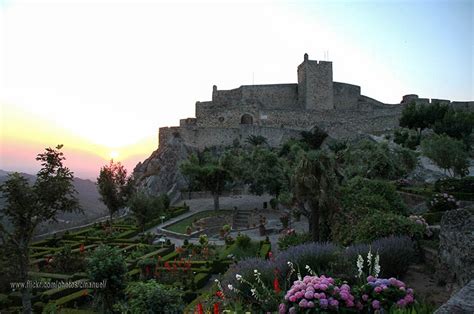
<point x="241" y="219"/>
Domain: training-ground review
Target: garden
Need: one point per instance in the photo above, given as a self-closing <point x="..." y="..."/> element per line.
<point x="371" y="216"/>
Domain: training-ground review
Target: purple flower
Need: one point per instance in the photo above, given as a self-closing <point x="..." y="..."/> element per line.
<point x="310" y="304"/>
<point x="309" y="295"/>
<point x="371" y="279"/>
<point x="401" y="303"/>
<point x="282" y="308"/>
<point x="334" y="303"/>
<point x="323" y="303"/>
<point x="365" y="297"/>
<point x="376" y="304"/>
<point x="378" y="289"/>
<point x="303" y="303"/>
<point x="292" y="310"/>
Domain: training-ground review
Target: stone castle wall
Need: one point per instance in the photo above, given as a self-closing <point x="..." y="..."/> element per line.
<point x="281" y="111"/>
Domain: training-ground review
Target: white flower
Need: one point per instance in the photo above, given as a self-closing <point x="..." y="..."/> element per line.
<point x="230" y="287"/>
<point x="254" y="291"/>
<point x="238" y="277"/>
<point x="360" y="265"/>
<point x="376" y="266"/>
<point x="369" y="258"/>
<point x="216" y="280"/>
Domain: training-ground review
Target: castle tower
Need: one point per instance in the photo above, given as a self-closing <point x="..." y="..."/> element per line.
<point x="315" y="85"/>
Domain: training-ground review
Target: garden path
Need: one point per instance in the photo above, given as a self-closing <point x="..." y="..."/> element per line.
<point x="241" y="202"/>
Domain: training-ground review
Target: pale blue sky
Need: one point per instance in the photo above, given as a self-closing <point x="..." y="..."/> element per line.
<point x="427" y="44"/>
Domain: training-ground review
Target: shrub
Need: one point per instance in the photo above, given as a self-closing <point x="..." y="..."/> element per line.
<point x="243" y="241"/>
<point x="442" y="202"/>
<point x="377" y="160"/>
<point x="292" y="239"/>
<point x="406" y="138"/>
<point x="245" y="268"/>
<point x="447" y="153"/>
<point x="107" y="263"/>
<point x="463" y="185"/>
<point x="361" y="193"/>
<point x="321" y="257"/>
<point x="383" y="294"/>
<point x="151" y="297"/>
<point x="380" y="224"/>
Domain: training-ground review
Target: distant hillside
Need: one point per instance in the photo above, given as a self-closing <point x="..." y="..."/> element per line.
<point x="88" y="199"/>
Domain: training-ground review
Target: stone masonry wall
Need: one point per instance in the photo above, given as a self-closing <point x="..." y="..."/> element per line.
<point x="346" y="96"/>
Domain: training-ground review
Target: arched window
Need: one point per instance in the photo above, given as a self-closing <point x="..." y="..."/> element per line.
<point x="246" y="119"/>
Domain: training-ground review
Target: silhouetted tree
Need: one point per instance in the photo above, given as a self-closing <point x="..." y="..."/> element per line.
<point x="114" y="186"/>
<point x="29" y="205"/>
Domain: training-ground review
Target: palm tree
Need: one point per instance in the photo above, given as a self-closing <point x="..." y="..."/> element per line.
<point x="314" y="187"/>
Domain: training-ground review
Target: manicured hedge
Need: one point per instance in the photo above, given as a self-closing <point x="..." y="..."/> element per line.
<point x="160" y="252"/>
<point x="127" y="234"/>
<point x="57" y="293"/>
<point x="201" y="279"/>
<point x="68" y="299"/>
<point x="49" y="275"/>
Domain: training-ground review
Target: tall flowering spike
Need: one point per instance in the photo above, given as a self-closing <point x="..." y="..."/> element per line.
<point x="216" y="308"/>
<point x="200" y="308"/>
<point x="360" y="265"/>
<point x="276" y="285"/>
<point x="377" y="265"/>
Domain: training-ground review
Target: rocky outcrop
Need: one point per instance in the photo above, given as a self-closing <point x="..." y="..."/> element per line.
<point x="460" y="303"/>
<point x="160" y="173"/>
<point x="456" y="247"/>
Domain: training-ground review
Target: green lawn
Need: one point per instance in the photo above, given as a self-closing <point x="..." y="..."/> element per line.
<point x="180" y="226"/>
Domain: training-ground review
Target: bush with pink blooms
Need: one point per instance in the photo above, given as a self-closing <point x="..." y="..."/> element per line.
<point x="380" y="293"/>
<point x="323" y="294"/>
<point x="315" y="294"/>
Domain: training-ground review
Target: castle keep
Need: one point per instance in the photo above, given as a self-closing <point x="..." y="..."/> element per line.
<point x="281" y="111"/>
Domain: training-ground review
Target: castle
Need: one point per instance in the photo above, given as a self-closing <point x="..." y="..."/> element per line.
<point x="278" y="112"/>
<point x="281" y="111"/>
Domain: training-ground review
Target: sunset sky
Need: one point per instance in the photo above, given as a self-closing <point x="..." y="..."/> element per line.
<point x="101" y="76"/>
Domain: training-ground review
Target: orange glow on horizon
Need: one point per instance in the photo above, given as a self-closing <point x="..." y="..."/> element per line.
<point x="23" y="136"/>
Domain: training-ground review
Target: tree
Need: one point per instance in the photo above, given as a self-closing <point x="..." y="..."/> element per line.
<point x="314" y="188"/>
<point x="314" y="138"/>
<point x="208" y="173"/>
<point x="29" y="205"/>
<point x="422" y="116"/>
<point x="448" y="154"/>
<point x="256" y="140"/>
<point x="457" y="124"/>
<point x="107" y="264"/>
<point x="264" y="171"/>
<point x="114" y="186"/>
<point x="145" y="207"/>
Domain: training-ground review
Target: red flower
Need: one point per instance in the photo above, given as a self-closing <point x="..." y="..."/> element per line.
<point x="82" y="248"/>
<point x="200" y="309"/>
<point x="220" y="294"/>
<point x="216" y="308"/>
<point x="147" y="269"/>
<point x="276" y="285"/>
<point x="85" y="293"/>
<point x="167" y="266"/>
